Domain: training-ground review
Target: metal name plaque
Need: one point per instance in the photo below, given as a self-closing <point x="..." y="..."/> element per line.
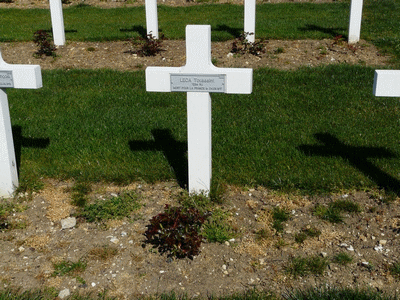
<point x="6" y="79"/>
<point x="197" y="83"/>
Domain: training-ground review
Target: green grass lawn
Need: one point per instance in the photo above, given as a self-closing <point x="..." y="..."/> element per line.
<point x="288" y="134"/>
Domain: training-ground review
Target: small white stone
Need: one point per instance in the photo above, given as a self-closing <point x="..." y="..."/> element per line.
<point x="123" y="233"/>
<point x="162" y="271"/>
<point x="224" y="267"/>
<point x="21" y="249"/>
<point x="350" y="248"/>
<point x="64" y="293"/>
<point x="383" y="242"/>
<point x="227" y="243"/>
<point x="324" y="254"/>
<point x="229" y="55"/>
<point x="231" y="240"/>
<point x="114" y="240"/>
<point x="68" y="223"/>
<point x="343" y="245"/>
<point x="93" y="284"/>
<point x="114" y="195"/>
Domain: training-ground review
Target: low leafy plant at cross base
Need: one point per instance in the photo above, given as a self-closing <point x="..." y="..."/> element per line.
<point x="242" y="46"/>
<point x="148" y="46"/>
<point x="43" y="40"/>
<point x="176" y="231"/>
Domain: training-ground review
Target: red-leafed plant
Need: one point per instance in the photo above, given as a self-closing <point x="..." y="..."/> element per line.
<point x="176" y="231"/>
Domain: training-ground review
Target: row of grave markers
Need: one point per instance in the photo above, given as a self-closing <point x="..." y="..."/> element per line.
<point x="198" y="78"/>
<point x="57" y="20"/>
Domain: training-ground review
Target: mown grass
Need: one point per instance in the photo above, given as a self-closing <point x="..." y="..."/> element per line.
<point x="96" y="24"/>
<point x="289" y="134"/>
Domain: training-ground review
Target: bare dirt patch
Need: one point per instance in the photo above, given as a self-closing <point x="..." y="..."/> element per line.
<point x="278" y="54"/>
<point x="369" y="237"/>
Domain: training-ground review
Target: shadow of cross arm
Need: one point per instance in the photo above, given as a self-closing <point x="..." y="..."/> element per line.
<point x="357" y="157"/>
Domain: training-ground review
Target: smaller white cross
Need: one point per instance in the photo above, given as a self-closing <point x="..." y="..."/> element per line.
<point x="151" y="18"/>
<point x="199" y="77"/>
<point x="19" y="77"/>
<point x="387" y="83"/>
<point x="355" y="21"/>
<point x="250" y="20"/>
<point x="57" y="22"/>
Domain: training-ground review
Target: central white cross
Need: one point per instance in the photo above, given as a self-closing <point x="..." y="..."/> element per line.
<point x="199" y="77"/>
<point x="19" y="77"/>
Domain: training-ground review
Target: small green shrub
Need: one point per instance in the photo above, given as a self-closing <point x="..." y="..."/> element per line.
<point x="342" y="258"/>
<point x="43" y="40"/>
<point x="176" y="231"/>
<point x="113" y="208"/>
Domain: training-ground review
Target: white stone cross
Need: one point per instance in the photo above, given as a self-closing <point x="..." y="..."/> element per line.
<point x="151" y="18"/>
<point x="387" y="83"/>
<point x="250" y="20"/>
<point x="19" y="77"/>
<point x="355" y="21"/>
<point x="199" y="77"/>
<point x="57" y="22"/>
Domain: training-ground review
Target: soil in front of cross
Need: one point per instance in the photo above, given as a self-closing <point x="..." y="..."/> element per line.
<point x="358" y="252"/>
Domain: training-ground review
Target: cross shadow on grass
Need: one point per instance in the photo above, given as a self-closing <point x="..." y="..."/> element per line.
<point x="137" y="28"/>
<point x="21" y="141"/>
<point x="235" y="32"/>
<point x="333" y="32"/>
<point x="357" y="157"/>
<point x="173" y="150"/>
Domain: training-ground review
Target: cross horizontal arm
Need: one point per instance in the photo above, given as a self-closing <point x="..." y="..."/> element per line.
<point x="387" y="83"/>
<point x="23" y="76"/>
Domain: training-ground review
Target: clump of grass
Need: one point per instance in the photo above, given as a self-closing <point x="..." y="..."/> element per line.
<point x="342" y="258"/>
<point x="279" y="216"/>
<point x="217" y="229"/>
<point x="395" y="269"/>
<point x="113" y="208"/>
<point x="301" y="266"/>
<point x="300" y="237"/>
<point x="332" y="212"/>
<point x="262" y="234"/>
<point x="79" y="193"/>
<point x="67" y="267"/>
<point x="305" y="233"/>
<point x="103" y="253"/>
<point x="323" y="293"/>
